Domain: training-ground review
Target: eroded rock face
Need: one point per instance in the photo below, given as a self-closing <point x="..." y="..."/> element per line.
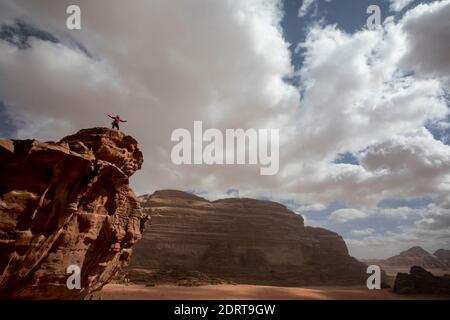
<point x="421" y="281"/>
<point x="66" y="203"/>
<point x="237" y="240"/>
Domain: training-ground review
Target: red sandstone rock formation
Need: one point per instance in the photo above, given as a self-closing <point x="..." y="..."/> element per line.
<point x="66" y="203"/>
<point x="238" y="240"/>
<point x="421" y="281"/>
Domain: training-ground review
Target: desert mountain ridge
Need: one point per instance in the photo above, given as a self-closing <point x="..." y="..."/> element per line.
<point x="241" y="240"/>
<point x="417" y="256"/>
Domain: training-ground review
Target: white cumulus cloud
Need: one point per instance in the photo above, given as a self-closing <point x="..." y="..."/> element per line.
<point x="345" y="215"/>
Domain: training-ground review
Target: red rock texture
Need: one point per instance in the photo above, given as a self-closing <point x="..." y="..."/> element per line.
<point x="66" y="203"/>
<point x="237" y="240"/>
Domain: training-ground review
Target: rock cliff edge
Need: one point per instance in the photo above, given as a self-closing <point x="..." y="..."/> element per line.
<point x="66" y="203"/>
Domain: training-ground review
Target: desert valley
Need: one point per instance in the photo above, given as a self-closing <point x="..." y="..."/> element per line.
<point x="68" y="203"/>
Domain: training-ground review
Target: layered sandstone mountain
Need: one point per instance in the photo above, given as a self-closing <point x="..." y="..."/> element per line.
<point x="237" y="240"/>
<point x="417" y="256"/>
<point x="66" y="203"/>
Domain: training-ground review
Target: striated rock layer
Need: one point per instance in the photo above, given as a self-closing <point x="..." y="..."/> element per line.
<point x="66" y="203"/>
<point x="238" y="240"/>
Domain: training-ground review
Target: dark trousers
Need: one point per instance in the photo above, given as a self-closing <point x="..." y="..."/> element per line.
<point x="115" y="125"/>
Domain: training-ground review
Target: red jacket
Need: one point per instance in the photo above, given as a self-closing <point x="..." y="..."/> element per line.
<point x="116" y="119"/>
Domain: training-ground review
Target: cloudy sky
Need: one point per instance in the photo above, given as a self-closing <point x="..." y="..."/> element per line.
<point x="363" y="114"/>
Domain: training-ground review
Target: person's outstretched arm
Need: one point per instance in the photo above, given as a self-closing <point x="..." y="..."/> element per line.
<point x="123" y="120"/>
<point x="110" y="116"/>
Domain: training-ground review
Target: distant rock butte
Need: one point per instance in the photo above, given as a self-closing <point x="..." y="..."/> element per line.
<point x="417" y="256"/>
<point x="237" y="240"/>
<point x="66" y="203"/>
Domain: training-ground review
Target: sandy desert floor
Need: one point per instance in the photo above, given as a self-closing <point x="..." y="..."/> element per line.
<point x="250" y="292"/>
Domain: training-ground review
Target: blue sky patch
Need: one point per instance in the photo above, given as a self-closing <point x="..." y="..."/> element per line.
<point x="346" y="158"/>
<point x="410" y="203"/>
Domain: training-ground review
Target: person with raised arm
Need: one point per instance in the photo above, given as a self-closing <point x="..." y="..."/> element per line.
<point x="116" y="121"/>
